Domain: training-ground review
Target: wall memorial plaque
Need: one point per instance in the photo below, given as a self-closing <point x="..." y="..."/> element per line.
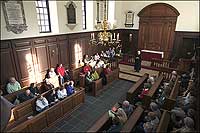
<point x="129" y="19"/>
<point x="14" y="16"/>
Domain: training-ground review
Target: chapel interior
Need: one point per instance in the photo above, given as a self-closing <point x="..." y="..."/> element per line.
<point x="100" y="66"/>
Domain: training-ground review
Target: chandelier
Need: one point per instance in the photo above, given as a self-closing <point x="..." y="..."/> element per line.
<point x="104" y="37"/>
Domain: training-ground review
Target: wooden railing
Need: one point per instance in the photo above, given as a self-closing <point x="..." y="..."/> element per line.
<point x="163" y="63"/>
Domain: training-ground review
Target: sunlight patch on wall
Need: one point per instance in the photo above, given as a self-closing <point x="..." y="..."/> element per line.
<point x="78" y="54"/>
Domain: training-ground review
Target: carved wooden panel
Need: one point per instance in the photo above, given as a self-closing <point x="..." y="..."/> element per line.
<point x="56" y="112"/>
<point x="25" y="65"/>
<point x="64" y="53"/>
<point x="7" y="66"/>
<point x="67" y="105"/>
<point x="53" y="54"/>
<point x="39" y="122"/>
<point x="41" y="55"/>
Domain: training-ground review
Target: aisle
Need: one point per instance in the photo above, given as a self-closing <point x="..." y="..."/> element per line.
<point x="83" y="118"/>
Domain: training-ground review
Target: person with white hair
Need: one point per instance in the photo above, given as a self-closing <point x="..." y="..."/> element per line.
<point x="138" y="61"/>
<point x="188" y="125"/>
<point x="127" y="107"/>
<point x="13" y="85"/>
<point x="52" y="79"/>
<point x="155" y="108"/>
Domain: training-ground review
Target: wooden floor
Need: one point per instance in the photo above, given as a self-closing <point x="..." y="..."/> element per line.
<point x="127" y="72"/>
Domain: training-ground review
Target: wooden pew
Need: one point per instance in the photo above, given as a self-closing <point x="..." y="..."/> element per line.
<point x="12" y="96"/>
<point x="131" y="122"/>
<point x="171" y="100"/>
<point x="147" y="98"/>
<point x="102" y="123"/>
<point x="164" y="121"/>
<point x="45" y="118"/>
<point x="133" y="91"/>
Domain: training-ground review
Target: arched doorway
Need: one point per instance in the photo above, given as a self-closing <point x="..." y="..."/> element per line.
<point x="157" y="28"/>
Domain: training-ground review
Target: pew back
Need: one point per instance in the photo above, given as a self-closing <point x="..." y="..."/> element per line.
<point x="131" y="122"/>
<point x="45" y="119"/>
<point x="133" y="91"/>
<point x="147" y="98"/>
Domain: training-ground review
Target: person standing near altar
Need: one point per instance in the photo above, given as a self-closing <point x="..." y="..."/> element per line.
<point x="138" y="61"/>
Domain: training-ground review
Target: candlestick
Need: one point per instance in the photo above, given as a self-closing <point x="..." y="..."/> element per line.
<point x="91" y="35"/>
<point x="114" y="35"/>
<point x="111" y="37"/>
<point x="117" y="36"/>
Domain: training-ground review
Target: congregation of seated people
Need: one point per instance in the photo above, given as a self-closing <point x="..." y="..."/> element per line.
<point x="55" y="95"/>
<point x="183" y="114"/>
<point x="120" y="115"/>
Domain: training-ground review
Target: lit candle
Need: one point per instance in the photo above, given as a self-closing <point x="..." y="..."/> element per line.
<point x="93" y="35"/>
<point x="114" y="35"/>
<point x="117" y="36"/>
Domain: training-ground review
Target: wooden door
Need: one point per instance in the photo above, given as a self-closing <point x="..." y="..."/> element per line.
<point x="157" y="28"/>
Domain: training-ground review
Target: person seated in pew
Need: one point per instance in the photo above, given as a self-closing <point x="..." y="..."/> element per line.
<point x="41" y="104"/>
<point x="144" y="91"/>
<point x="96" y="57"/>
<point x="70" y="88"/>
<point x="52" y="79"/>
<point x="127" y="107"/>
<point x="116" y="126"/>
<point x="62" y="93"/>
<point x="155" y="108"/>
<point x="191" y="113"/>
<point x="88" y="81"/>
<point x="107" y="53"/>
<point x="52" y="98"/>
<point x="86" y="59"/>
<point x="119" y="113"/>
<point x="99" y="64"/>
<point x="184" y="81"/>
<point x="86" y="68"/>
<point x="187" y="127"/>
<point x="103" y="76"/>
<point x="33" y="88"/>
<point x="151" y="80"/>
<point x="108" y="69"/>
<point x="25" y="96"/>
<point x="94" y="75"/>
<point x="13" y="85"/>
<point x="165" y="92"/>
<point x="153" y="119"/>
<point x="177" y="116"/>
<point x="103" y="54"/>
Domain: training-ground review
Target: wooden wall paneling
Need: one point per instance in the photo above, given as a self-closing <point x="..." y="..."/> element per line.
<point x="24" y="61"/>
<point x="53" y="54"/>
<point x="64" y="51"/>
<point x="8" y="67"/>
<point x="41" y="64"/>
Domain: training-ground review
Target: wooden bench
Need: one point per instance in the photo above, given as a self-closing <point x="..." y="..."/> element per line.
<point x="134" y="90"/>
<point x="12" y="96"/>
<point x="133" y="119"/>
<point x="164" y="121"/>
<point x="52" y="114"/>
<point x="171" y="100"/>
<point x="147" y="98"/>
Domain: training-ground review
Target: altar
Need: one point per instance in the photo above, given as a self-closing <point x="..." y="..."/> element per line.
<point x="147" y="55"/>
